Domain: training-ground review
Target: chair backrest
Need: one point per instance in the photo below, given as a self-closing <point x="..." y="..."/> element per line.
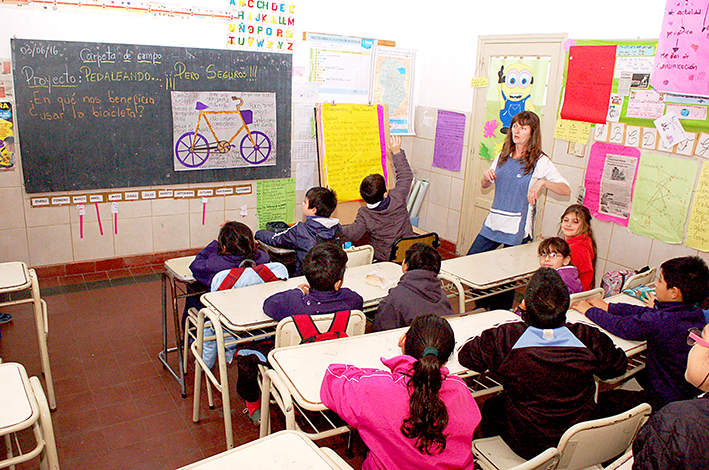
<point x="398" y="249"/>
<point x="596" y="293"/>
<point x="547" y="460"/>
<point x="287" y="333"/>
<point x="599" y="440"/>
<point x="359" y="255"/>
<point x="639" y="279"/>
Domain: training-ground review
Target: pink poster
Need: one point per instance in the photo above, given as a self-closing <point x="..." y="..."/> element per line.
<point x="682" y="57"/>
<point x="594" y="181"/>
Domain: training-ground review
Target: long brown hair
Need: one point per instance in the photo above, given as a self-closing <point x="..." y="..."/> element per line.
<point x="584" y="216"/>
<point x="533" y="151"/>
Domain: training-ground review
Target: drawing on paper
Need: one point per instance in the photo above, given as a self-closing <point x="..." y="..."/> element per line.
<point x="214" y="130"/>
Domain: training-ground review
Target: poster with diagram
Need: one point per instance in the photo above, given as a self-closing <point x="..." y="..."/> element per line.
<point x="393" y="85"/>
<point x="219" y="129"/>
<point x="662" y="194"/>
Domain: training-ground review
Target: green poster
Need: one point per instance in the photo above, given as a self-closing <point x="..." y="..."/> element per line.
<point x="661" y="198"/>
<point x="275" y="201"/>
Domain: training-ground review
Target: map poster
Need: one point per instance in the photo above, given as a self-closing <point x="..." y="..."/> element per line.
<point x="219" y="129"/>
<point x="392" y="84"/>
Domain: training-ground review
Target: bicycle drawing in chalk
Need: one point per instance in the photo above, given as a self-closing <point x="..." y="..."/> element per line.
<point x="193" y="148"/>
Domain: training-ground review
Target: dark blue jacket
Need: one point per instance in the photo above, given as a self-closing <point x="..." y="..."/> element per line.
<point x="209" y="262"/>
<point x="302" y="236"/>
<point x="294" y="302"/>
<point x="664" y="327"/>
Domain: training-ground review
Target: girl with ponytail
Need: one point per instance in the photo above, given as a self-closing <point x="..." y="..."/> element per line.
<point x="414" y="415"/>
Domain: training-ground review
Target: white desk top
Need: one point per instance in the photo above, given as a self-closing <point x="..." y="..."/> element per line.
<point x="483" y="270"/>
<point x="179" y="268"/>
<point x="14" y="384"/>
<point x="12" y="275"/>
<point x="282" y="450"/>
<point x="242" y="308"/>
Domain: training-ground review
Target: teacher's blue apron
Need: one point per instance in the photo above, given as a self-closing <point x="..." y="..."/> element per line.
<point x="508" y="214"/>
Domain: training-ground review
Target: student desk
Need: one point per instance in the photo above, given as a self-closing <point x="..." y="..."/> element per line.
<point x="494" y="271"/>
<point x="240" y="312"/>
<point x="282" y="450"/>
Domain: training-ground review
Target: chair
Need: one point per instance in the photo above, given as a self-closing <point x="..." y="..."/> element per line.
<point x="596" y="293"/>
<point x="458" y="286"/>
<point x="398" y="249"/>
<point x="547" y="460"/>
<point x="583" y="445"/>
<point x="272" y="385"/>
<point x="624" y="462"/>
<point x="359" y="255"/>
<point x="639" y="279"/>
<point x="25" y="406"/>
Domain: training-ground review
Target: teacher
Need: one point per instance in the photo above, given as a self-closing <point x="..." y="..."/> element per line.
<point x="519" y="172"/>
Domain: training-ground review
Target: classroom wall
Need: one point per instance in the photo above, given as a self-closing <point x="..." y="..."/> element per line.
<point x="445" y="36"/>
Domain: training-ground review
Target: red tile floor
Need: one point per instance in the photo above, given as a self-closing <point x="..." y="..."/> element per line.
<point x="116" y="405"/>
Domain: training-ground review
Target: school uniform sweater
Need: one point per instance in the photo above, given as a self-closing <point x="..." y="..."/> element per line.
<point x="582" y="257"/>
<point x="418" y="293"/>
<point x="664" y="327"/>
<point x="547" y="375"/>
<point x="390" y="220"/>
<point x="294" y="302"/>
<point x="570" y="276"/>
<point x="209" y="262"/>
<point x="376" y="402"/>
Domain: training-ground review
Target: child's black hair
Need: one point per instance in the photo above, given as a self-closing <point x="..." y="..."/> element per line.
<point x="422" y="256"/>
<point x="428" y="415"/>
<point x="324" y="265"/>
<point x="546" y="300"/>
<point x="690" y="275"/>
<point x="324" y="200"/>
<point x="236" y="239"/>
<point x="554" y="245"/>
<point x="373" y="188"/>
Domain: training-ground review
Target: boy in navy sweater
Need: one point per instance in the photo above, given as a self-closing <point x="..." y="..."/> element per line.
<point x="681" y="287"/>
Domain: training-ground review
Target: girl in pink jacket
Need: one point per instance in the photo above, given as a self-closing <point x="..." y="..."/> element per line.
<point x="414" y="415"/>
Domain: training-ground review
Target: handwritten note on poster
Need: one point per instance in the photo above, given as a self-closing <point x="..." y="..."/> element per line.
<point x="448" y="148"/>
<point x="275" y="200"/>
<point x="572" y="131"/>
<point x="682" y="57"/>
<point x="354" y="147"/>
<point x="698" y="229"/>
<point x="661" y="200"/>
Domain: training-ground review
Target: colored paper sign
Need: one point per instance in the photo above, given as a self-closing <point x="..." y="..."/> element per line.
<point x="600" y="151"/>
<point x="662" y="194"/>
<point x="645" y="104"/>
<point x="448" y="147"/>
<point x="682" y="57"/>
<point x="698" y="228"/>
<point x="354" y="147"/>
<point x="275" y="201"/>
<point x="589" y="81"/>
<point x="573" y="131"/>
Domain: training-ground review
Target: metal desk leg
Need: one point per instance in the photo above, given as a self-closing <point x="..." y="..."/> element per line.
<point x="42" y="325"/>
<point x="162" y="355"/>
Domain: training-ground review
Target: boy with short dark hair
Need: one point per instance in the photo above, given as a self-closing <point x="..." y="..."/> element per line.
<point x="319" y="203"/>
<point x="418" y="292"/>
<point x="682" y="286"/>
<point x="546" y="367"/>
<point x="385" y="216"/>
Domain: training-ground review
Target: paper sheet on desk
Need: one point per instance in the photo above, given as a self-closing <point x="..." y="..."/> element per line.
<point x="375" y="278"/>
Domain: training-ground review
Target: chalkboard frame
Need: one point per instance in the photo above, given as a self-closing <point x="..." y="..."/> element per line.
<point x="72" y="153"/>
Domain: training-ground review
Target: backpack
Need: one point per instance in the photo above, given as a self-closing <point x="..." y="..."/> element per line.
<point x="310" y="333"/>
<point x="612" y="281"/>
<point x="235" y="273"/>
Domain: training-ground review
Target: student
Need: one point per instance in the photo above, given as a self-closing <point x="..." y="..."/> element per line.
<point x="324" y="268"/>
<point x="678" y="435"/>
<point x="318" y="205"/>
<point x="555" y="253"/>
<point x="576" y="230"/>
<point x="413" y="415"/>
<point x="418" y="292"/>
<point x="681" y="287"/>
<point x="546" y="366"/>
<point x="233" y="248"/>
<point x="385" y="216"/>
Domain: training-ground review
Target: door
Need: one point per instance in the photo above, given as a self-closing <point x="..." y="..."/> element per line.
<point x="509" y="62"/>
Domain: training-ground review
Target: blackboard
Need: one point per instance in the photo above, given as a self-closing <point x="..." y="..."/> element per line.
<point x="94" y="115"/>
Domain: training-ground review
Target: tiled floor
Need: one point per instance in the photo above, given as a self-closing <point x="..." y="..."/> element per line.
<point x="116" y="406"/>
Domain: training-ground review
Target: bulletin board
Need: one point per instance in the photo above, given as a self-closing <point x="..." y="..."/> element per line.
<point x="351" y="145"/>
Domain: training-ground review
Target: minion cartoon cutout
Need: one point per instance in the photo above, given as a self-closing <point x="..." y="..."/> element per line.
<point x="515" y="87"/>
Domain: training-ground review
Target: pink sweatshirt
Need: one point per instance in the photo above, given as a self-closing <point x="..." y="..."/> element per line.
<point x="376" y="403"/>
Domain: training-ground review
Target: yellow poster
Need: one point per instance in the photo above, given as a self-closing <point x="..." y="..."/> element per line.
<point x="572" y="131"/>
<point x="353" y="146"/>
<point x="698" y="230"/>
